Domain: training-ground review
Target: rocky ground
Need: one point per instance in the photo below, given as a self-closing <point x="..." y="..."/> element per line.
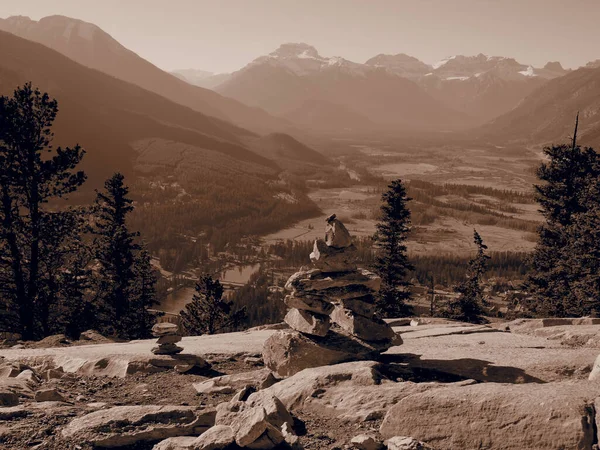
<point x="450" y="385"/>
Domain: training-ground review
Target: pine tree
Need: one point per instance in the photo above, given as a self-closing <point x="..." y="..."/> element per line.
<point x="469" y="305"/>
<point x="115" y="250"/>
<point x="65" y="280"/>
<point x="32" y="173"/>
<point x="143" y="295"/>
<point x="392" y="262"/>
<point x="569" y="202"/>
<point x="208" y="312"/>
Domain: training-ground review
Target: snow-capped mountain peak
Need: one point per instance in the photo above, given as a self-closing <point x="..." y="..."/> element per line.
<point x="296" y="50"/>
<point x="303" y="59"/>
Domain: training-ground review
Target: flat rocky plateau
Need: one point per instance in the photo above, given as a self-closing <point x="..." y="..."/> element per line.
<point x="528" y="384"/>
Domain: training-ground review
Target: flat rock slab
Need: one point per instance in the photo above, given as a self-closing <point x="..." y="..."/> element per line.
<point x="527" y="326"/>
<point x="352" y="391"/>
<point x="425" y="331"/>
<point x="126" y="425"/>
<point x="177" y="443"/>
<point x="498" y="416"/>
<point x="258" y="379"/>
<point x="496" y="357"/>
<point x="72" y="359"/>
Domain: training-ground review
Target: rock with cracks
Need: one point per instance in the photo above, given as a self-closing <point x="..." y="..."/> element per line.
<point x="499" y="416"/>
<point x="127" y="425"/>
<point x="287" y="353"/>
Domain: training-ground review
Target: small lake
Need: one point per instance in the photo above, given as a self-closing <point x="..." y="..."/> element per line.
<point x="239" y="274"/>
<point x="177" y="300"/>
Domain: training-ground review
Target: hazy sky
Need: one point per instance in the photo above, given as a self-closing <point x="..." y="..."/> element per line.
<point x="224" y="35"/>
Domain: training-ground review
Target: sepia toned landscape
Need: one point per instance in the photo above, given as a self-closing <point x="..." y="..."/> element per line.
<point x="319" y="225"/>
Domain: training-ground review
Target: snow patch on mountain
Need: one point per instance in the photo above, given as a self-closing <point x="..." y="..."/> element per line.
<point x="443" y="62"/>
<point x="457" y="78"/>
<point x="529" y="72"/>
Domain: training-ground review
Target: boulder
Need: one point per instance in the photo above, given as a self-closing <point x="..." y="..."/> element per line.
<point x="308" y="322"/>
<point x="13" y="412"/>
<point x="57" y="340"/>
<point x="48" y="395"/>
<point x="11" y="370"/>
<point x="498" y="416"/>
<point x="249" y="425"/>
<point x="406" y="443"/>
<point x="215" y="438"/>
<point x="366" y="442"/>
<point x="311" y="303"/>
<point x="180" y="362"/>
<point x="289" y="352"/>
<point x="270" y="439"/>
<point x="277" y="414"/>
<point x="362" y="327"/>
<point x="19" y="386"/>
<point x="354" y="391"/>
<point x="8" y="398"/>
<point x="289" y="436"/>
<point x="127" y="425"/>
<point x="177" y="443"/>
<point x="94" y="336"/>
<point x="336" y="234"/>
<point x="29" y="377"/>
<point x="53" y="374"/>
<point x="595" y="373"/>
<point x="258" y="379"/>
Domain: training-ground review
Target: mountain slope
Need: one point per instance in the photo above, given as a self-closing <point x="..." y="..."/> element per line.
<point x="297" y="83"/>
<point x="481" y="86"/>
<point x="106" y="114"/>
<point x="548" y="114"/>
<point x="89" y="45"/>
<point x="190" y="174"/>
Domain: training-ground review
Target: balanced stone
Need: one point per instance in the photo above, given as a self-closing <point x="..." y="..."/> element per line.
<point x="336" y="234"/>
<point x="308" y="322"/>
<point x="363" y="306"/>
<point x="309" y="303"/>
<point x="167" y="349"/>
<point x="332" y="310"/>
<point x="330" y="259"/>
<point x="169" y="339"/>
<point x="317" y="280"/>
<point x="165" y="329"/>
<point x="362" y="327"/>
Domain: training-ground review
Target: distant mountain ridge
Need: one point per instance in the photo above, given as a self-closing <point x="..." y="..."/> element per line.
<point x="89" y="45"/>
<point x="332" y="93"/>
<point x="475" y="88"/>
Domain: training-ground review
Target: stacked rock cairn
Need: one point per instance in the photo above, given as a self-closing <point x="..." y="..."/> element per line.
<point x="168" y="336"/>
<point x="332" y="305"/>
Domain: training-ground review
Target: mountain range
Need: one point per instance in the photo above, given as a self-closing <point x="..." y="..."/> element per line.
<point x="295" y="88"/>
<point x="312" y="91"/>
<point x="297" y="83"/>
<point x="91" y="46"/>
